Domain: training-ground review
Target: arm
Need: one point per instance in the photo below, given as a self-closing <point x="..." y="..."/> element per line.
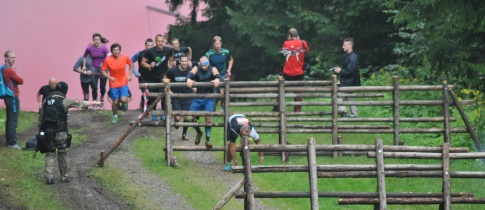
<point x="191" y="76"/>
<point x="170" y="60"/>
<point x="229" y="67"/>
<point x="144" y="63"/>
<point x="38" y="100"/>
<point x="86" y="53"/>
<point x="218" y="77"/>
<point x="134" y="59"/>
<point x="351" y="69"/>
<point x="189" y="55"/>
<point x="10" y="73"/>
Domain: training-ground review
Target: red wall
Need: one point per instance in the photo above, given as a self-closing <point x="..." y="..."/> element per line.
<point x="48" y="36"/>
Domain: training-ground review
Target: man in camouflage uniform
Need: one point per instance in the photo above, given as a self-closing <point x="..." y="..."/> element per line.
<point x="59" y="139"/>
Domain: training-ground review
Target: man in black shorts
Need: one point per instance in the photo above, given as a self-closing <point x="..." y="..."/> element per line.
<point x="239" y="125"/>
<point x="46" y="90"/>
<point x="156" y="61"/>
<point x="179" y="74"/>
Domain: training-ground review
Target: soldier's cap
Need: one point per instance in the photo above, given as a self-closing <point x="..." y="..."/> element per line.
<point x="62" y="87"/>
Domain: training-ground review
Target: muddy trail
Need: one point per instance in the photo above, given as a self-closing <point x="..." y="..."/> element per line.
<point x="85" y="192"/>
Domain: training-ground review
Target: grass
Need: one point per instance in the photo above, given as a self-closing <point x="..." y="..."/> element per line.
<point x="22" y="177"/>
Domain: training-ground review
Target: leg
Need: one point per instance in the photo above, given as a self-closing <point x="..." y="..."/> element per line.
<point x="49" y="166"/>
<point x="102" y="87"/>
<point x="209" y="105"/>
<point x="85" y="88"/>
<point x="341" y="109"/>
<point x="353" y="108"/>
<point x="63" y="161"/>
<point x="196" y="106"/>
<point x="94" y="86"/>
<point x="13" y="108"/>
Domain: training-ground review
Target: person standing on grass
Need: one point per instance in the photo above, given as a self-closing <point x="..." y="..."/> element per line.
<point x="46" y="90"/>
<point x="12" y="102"/>
<point x="294" y="51"/>
<point x="239" y="125"/>
<point x="204" y="73"/>
<point x="118" y="80"/>
<point x="179" y="73"/>
<point x="349" y="75"/>
<point x="56" y="132"/>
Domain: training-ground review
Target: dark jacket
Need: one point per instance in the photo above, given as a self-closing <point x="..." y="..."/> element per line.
<point x="350" y="74"/>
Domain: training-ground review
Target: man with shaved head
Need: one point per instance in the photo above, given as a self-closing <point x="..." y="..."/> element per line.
<point x="204" y="73"/>
<point x="46" y="90"/>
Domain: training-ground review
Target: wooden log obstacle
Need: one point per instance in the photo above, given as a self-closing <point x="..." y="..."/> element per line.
<point x="280" y="122"/>
<point x="380" y="171"/>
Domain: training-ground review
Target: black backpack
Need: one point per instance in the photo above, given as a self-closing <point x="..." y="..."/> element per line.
<point x="55" y="115"/>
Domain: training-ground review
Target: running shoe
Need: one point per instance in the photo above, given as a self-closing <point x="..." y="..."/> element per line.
<point x="114" y="120"/>
<point x="102" y="104"/>
<point x="208" y="144"/>
<point x="228" y="167"/>
<point x="185" y="138"/>
<point x="15" y="146"/>
<point x="95" y="107"/>
<point x="197" y="138"/>
<point x="154" y="118"/>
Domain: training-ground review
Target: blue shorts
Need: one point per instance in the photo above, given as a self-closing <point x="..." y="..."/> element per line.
<point x="116" y="93"/>
<point x="200" y="104"/>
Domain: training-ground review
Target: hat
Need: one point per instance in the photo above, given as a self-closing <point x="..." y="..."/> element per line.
<point x="62" y="87"/>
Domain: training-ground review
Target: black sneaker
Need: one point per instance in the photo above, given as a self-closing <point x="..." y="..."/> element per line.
<point x="50" y="181"/>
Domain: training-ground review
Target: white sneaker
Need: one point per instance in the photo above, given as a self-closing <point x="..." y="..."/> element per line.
<point x="94" y="107"/>
<point x="15" y="146"/>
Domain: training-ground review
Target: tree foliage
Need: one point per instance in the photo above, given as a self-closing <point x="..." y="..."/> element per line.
<point x="433" y="39"/>
<point x="447" y="34"/>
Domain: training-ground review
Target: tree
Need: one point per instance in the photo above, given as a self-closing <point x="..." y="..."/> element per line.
<point x="447" y="34"/>
<point x="254" y="31"/>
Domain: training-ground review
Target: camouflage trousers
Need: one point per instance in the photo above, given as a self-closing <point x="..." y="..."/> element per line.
<point x="62" y="158"/>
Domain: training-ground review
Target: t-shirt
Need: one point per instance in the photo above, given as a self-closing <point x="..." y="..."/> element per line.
<point x="177" y="75"/>
<point x="161" y="61"/>
<point x="84" y="78"/>
<point x="204" y="76"/>
<point x="117" y="69"/>
<point x="219" y="60"/>
<point x="46" y="90"/>
<point x="294" y="51"/>
<point x="178" y="53"/>
<point x="98" y="54"/>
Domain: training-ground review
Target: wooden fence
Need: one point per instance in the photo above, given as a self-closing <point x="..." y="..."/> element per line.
<point x="380" y="170"/>
<point x="282" y="119"/>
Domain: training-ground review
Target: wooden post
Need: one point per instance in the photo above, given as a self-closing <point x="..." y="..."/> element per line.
<point x="226" y="114"/>
<point x="248" y="185"/>
<point x="446" y="112"/>
<point x="282" y="108"/>
<point x="446" y="205"/>
<point x="395" y="114"/>
<point x="340" y="141"/>
<point x="229" y="194"/>
<point x="312" y="164"/>
<point x="381" y="177"/>
<point x="465" y="120"/>
<point x="105" y="155"/>
<point x="168" y="116"/>
<point x="334" y="114"/>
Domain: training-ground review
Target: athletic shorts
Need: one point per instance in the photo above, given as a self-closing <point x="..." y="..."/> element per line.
<point x="116" y="93"/>
<point x="200" y="104"/>
<point x="181" y="104"/>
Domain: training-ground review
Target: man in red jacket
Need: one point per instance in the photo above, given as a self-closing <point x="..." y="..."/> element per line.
<point x="294" y="51"/>
<point x="12" y="80"/>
